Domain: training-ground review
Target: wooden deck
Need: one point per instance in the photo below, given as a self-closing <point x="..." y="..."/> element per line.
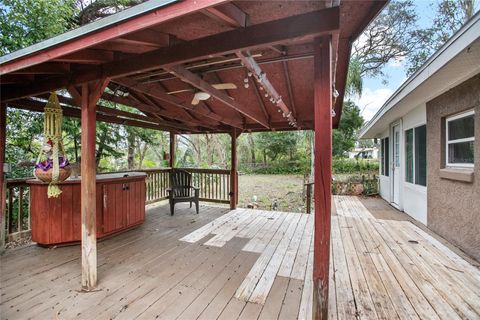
<point x="246" y="264"/>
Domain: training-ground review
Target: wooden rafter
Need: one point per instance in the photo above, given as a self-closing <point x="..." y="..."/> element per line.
<point x="262" y="78"/>
<point x="217" y="79"/>
<point x="178" y="114"/>
<point x="157" y="92"/>
<point x="261" y="102"/>
<point x="155" y="110"/>
<point x="149" y="19"/>
<point x="229" y="14"/>
<point x="123" y="114"/>
<point x="87" y="56"/>
<point x="309" y="24"/>
<point x="147" y="38"/>
<point x="204" y="86"/>
<point x="46" y="68"/>
<point x="291" y="98"/>
<point x="16" y="78"/>
<point x="103" y="115"/>
<point x="166" y="114"/>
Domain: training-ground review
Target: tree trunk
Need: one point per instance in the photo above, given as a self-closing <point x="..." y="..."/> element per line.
<point x="75" y="147"/>
<point x="100" y="147"/>
<point x="142" y="153"/>
<point x="252" y="148"/>
<point x="131" y="151"/>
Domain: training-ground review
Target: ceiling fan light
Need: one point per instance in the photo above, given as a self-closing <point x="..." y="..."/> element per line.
<point x="202" y="95"/>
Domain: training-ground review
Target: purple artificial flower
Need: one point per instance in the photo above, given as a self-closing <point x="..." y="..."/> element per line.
<point x="48" y="164"/>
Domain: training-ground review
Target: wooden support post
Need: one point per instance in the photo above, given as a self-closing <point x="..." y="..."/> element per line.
<point x="233" y="170"/>
<point x="89" y="96"/>
<point x="322" y="174"/>
<point x="3" y="189"/>
<point x="172" y="150"/>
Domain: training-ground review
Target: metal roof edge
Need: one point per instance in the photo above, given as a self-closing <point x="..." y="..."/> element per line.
<point x="88" y="28"/>
<point x="388" y="105"/>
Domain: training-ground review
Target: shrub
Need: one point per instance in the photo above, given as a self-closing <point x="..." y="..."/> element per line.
<point x="357" y="166"/>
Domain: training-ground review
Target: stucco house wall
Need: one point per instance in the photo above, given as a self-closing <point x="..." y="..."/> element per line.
<point x="453" y="206"/>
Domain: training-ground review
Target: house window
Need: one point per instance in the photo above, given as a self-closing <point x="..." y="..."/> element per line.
<point x="409" y="170"/>
<point x="416" y="155"/>
<point x="460" y="140"/>
<point x="385" y="157"/>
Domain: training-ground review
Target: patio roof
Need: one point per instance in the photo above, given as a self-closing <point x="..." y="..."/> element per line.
<point x="162" y="46"/>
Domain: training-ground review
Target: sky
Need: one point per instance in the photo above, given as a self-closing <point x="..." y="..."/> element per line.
<point x="375" y="93"/>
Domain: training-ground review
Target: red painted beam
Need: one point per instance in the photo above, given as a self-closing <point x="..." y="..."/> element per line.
<point x="201" y="84"/>
<point x="87" y="56"/>
<point x="46" y="68"/>
<point x="144" y="21"/>
<point x="16" y="78"/>
<point x="309" y="24"/>
<point x="262" y="79"/>
<point x="155" y="91"/>
<point x="229" y="14"/>
<point x="103" y="114"/>
<point x="147" y="38"/>
<point x="260" y="35"/>
<point x="323" y="174"/>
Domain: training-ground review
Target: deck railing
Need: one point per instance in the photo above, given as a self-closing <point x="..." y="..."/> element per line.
<point x="214" y="186"/>
<point x="17" y="217"/>
<point x="156" y="184"/>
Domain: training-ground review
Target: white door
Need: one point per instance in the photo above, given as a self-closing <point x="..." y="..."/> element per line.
<point x="396" y="164"/>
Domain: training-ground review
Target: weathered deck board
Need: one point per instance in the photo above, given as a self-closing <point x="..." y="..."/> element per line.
<point x="380" y="269"/>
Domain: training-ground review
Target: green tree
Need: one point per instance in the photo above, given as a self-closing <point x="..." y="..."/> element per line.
<point x="277" y="144"/>
<point x="26" y="22"/>
<point x="450" y="16"/>
<point x="345" y="136"/>
<point x="391" y="36"/>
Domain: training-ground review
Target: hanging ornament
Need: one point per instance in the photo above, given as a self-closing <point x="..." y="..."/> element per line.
<point x="52" y="165"/>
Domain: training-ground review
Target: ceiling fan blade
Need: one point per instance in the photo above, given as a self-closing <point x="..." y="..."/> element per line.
<point x="195" y="100"/>
<point x="224" y="86"/>
<point x="179" y="91"/>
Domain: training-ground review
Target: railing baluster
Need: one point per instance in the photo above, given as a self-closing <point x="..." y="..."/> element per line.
<point x="20" y="209"/>
<point x="214" y="184"/>
<point x="10" y="209"/>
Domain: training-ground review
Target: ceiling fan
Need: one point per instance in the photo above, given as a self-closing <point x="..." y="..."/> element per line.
<point x="201" y="95"/>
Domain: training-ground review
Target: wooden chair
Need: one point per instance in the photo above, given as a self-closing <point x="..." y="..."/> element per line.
<point x="181" y="189"/>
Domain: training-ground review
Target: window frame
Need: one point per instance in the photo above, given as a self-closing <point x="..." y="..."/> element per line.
<point x="448" y="142"/>
<point x="414" y="155"/>
<point x="384" y="155"/>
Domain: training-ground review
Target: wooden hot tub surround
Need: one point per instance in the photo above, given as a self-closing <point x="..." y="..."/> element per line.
<point x="120" y="202"/>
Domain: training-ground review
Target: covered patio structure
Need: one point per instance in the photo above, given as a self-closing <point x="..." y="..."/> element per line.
<point x="287" y="60"/>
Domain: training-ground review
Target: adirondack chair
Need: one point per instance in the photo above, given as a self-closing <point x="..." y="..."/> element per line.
<point x="181" y="189"/>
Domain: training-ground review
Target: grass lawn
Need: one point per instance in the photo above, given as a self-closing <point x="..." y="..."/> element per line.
<point x="287" y="189"/>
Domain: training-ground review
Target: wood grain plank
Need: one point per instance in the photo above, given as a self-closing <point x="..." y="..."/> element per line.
<point x="300" y="264"/>
<point x="265" y="283"/>
<point x="289" y="258"/>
